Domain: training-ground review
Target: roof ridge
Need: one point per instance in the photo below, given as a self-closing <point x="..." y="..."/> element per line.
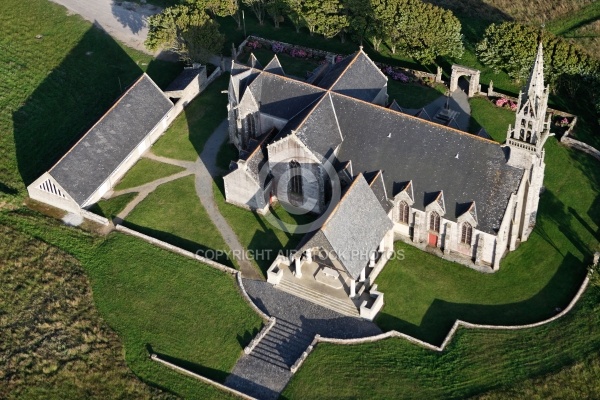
<point x="356" y="179"/>
<point x="343" y="71"/>
<point x="103" y="116"/>
<point x="418" y="119"/>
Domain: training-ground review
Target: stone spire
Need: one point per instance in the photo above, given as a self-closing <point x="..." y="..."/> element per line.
<point x="532" y="125"/>
<point x="535" y="84"/>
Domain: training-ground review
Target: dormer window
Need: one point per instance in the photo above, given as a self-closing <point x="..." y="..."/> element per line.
<point x="403" y="212"/>
<point x="434" y="222"/>
<point x="466" y="233"/>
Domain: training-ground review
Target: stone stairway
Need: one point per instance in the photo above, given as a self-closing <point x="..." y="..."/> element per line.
<point x="345" y="307"/>
<point x="283" y="344"/>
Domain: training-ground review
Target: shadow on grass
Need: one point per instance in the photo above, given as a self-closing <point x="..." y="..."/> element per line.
<point x="189" y="245"/>
<point x="73" y="97"/>
<point x="245" y="339"/>
<point x="7" y="189"/>
<point x="207" y="372"/>
<point x="441" y="315"/>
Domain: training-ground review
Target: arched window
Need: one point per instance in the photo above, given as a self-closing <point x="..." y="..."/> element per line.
<point x="403" y="212"/>
<point x="466" y="233"/>
<point x="295" y="178"/>
<point x="434" y="222"/>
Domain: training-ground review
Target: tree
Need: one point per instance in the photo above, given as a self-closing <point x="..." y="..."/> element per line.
<point x="294" y="12"/>
<point x="187" y="30"/>
<point x="276" y="10"/>
<point x="360" y="15"/>
<point x="386" y="22"/>
<point x="511" y="47"/>
<point x="428" y="31"/>
<point x="258" y="7"/>
<point x="324" y="17"/>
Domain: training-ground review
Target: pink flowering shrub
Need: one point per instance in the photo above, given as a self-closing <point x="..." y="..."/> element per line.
<point x="562" y="122"/>
<point x="338" y="58"/>
<point x="395" y="75"/>
<point x="501" y="102"/>
<point x="298" y="53"/>
<point x="253" y="44"/>
<point x="512" y="105"/>
<point x="277" y="47"/>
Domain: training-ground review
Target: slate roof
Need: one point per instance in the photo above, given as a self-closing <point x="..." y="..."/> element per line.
<point x="335" y="71"/>
<point x="184" y="79"/>
<point x="434" y="157"/>
<point x="377" y="185"/>
<point x="257" y="157"/>
<point x="320" y="131"/>
<point x="274" y="66"/>
<point x="104" y="147"/>
<point x="362" y="79"/>
<point x="356" y="226"/>
<point x="282" y="97"/>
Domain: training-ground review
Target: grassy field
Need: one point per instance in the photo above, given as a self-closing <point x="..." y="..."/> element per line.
<point x="79" y="356"/>
<point x="474" y="362"/>
<point x="495" y="120"/>
<point x="255" y="232"/>
<point x="144" y="171"/>
<point x="156" y="301"/>
<point x="54" y="88"/>
<point x="112" y="207"/>
<point x="173" y="213"/>
<point x="185" y="138"/>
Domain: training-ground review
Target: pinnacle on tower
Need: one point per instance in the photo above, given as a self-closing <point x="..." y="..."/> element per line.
<point x="535" y="84"/>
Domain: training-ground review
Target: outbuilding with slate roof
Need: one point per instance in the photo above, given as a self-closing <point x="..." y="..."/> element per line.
<point x="103" y="155"/>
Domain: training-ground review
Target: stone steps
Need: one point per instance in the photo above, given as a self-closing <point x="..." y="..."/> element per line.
<point x="282" y="345"/>
<point x="342" y="307"/>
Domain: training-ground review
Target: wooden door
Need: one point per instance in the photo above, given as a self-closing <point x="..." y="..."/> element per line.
<point x="433" y="240"/>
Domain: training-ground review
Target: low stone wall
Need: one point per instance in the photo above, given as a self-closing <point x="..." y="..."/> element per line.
<point x="370" y="312"/>
<point x="264" y="316"/>
<point x="449" y="336"/>
<point x="457" y="324"/>
<point x="184" y="371"/>
<point x="176" y="249"/>
<point x="305" y="354"/>
<point x="576" y="144"/>
<point x="94" y="217"/>
<point x="263" y="332"/>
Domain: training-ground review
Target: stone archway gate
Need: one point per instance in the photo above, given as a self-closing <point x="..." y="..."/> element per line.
<point x="461" y="70"/>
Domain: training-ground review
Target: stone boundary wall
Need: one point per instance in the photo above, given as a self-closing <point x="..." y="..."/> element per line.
<point x="263" y="332"/>
<point x="264" y="316"/>
<point x="268" y="43"/>
<point x="458" y="323"/>
<point x="305" y="354"/>
<point x="201" y="378"/>
<point x="576" y="144"/>
<point x="94" y="217"/>
<point x="176" y="249"/>
<point x="492" y="93"/>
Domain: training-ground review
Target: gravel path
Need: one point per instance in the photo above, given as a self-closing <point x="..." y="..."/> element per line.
<point x="264" y="373"/>
<point x="122" y="20"/>
<point x="206" y="172"/>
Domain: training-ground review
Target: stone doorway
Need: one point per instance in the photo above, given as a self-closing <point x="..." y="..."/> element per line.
<point x="473" y="74"/>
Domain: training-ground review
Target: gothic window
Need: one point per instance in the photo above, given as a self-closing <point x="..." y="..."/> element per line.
<point x="466" y="233"/>
<point x="522" y="134"/>
<point x="403" y="212"/>
<point x="250" y="125"/>
<point x="295" y="178"/>
<point x="434" y="222"/>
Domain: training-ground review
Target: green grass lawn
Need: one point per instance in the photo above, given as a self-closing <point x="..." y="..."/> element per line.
<point x="173" y="213"/>
<point x="112" y="207"/>
<point x="145" y="171"/>
<point x="255" y="232"/>
<point x="156" y="301"/>
<point x="494" y="119"/>
<point x="185" y="138"/>
<point x="56" y="87"/>
<point x="412" y="95"/>
<point x="474" y="362"/>
<point x="296" y="67"/>
<point x="569" y="22"/>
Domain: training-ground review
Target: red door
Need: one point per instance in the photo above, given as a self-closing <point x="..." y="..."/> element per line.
<point x="432" y="240"/>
